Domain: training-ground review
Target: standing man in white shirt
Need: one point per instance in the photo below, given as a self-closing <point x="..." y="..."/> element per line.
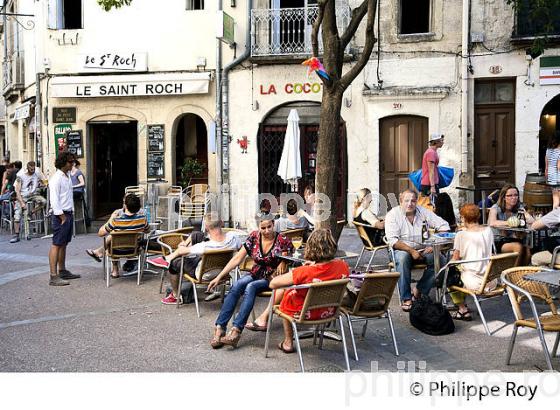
<point x="403" y="229"/>
<point x="62" y="204"/>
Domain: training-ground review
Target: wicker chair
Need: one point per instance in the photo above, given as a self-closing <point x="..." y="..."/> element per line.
<point x="211" y="260"/>
<point x="519" y="289"/>
<point x="319" y="295"/>
<point x="367" y="244"/>
<point x="496" y="265"/>
<point x="372" y="302"/>
<point x="169" y="242"/>
<point x="193" y="204"/>
<point x="123" y="245"/>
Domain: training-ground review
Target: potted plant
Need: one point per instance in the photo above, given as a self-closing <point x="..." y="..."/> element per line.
<point x="191" y="168"/>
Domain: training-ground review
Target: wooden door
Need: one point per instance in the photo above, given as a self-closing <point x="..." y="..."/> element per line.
<point x="403" y="140"/>
<point x="494" y="145"/>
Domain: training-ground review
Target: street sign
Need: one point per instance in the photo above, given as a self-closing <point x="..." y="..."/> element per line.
<point x="225" y="27"/>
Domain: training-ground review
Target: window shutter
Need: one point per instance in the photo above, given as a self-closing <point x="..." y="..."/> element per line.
<point x="55" y="14"/>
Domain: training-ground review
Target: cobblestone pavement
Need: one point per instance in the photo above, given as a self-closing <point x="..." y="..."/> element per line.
<point x="87" y="327"/>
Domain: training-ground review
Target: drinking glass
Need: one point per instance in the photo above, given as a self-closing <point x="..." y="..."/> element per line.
<point x="297" y="241"/>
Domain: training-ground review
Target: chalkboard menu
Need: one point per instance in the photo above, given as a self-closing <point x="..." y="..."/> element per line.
<point x="156" y="164"/>
<point x="155" y="138"/>
<point x="74" y="143"/>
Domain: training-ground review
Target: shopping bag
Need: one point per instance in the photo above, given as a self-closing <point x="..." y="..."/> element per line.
<point x="446" y="175"/>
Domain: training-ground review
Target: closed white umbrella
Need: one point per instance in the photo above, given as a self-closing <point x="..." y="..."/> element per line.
<point x="289" y="168"/>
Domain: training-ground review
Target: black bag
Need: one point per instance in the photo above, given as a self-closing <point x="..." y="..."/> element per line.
<point x="453" y="278"/>
<point x="430" y="317"/>
<point x="551" y="242"/>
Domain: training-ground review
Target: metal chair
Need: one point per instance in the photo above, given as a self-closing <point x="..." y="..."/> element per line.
<point x="392" y="265"/>
<point x="137" y="190"/>
<point x="34" y="221"/>
<point x="193" y="204"/>
<point x="169" y="200"/>
<point x="169" y="242"/>
<point x="519" y="289"/>
<point x="81" y="216"/>
<point x="293" y="233"/>
<point x="123" y="245"/>
<point x="327" y="294"/>
<point x="496" y="265"/>
<point x="211" y="261"/>
<point x="8" y="214"/>
<point x="368" y="244"/>
<point x="372" y="302"/>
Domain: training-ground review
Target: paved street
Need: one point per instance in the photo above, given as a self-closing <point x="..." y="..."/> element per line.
<point x="86" y="327"/>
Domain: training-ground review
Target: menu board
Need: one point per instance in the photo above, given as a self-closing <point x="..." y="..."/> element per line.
<point x="155" y="138"/>
<point x="156" y="165"/>
<point x="74" y="143"/>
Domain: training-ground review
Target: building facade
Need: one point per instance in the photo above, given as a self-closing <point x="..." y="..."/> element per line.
<point x="136" y="106"/>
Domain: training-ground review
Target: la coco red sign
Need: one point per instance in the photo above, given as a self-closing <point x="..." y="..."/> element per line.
<point x="290" y="88"/>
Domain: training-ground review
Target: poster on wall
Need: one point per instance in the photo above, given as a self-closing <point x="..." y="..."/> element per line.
<point x="156" y="163"/>
<point x="74" y="143"/>
<point x="155" y="138"/>
<point x="60" y="144"/>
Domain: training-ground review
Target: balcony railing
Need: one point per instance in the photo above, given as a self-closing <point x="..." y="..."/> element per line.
<point x="530" y="26"/>
<point x="277" y="32"/>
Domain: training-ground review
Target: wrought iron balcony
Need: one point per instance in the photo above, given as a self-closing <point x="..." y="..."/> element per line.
<point x="287" y="31"/>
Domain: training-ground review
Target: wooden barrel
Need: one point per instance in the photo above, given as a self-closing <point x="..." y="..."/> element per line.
<point x="536" y="194"/>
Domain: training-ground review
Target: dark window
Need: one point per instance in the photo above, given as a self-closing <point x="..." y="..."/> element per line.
<point x="195" y="4"/>
<point x="536" y="21"/>
<point x="72" y="10"/>
<point x="494" y="92"/>
<point x="415" y="16"/>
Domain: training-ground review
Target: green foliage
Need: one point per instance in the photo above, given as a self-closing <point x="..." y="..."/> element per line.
<point x="107" y="5"/>
<point x="191" y="168"/>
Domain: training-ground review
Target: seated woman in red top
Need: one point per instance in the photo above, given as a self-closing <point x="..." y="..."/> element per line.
<point x="320" y="266"/>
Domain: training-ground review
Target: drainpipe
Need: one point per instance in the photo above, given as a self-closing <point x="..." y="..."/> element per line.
<point x="464" y="88"/>
<point x="218" y="136"/>
<point x="225" y="110"/>
<point x="38" y="108"/>
<point x="6" y="115"/>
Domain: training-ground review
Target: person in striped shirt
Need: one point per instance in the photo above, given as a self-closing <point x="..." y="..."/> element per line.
<point x="128" y="219"/>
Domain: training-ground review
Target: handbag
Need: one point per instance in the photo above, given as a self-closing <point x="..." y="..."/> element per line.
<point x="453" y="278"/>
<point x="430" y="317"/>
<point x="446" y="175"/>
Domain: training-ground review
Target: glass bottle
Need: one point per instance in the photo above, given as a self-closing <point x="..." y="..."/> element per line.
<point x="425" y="232"/>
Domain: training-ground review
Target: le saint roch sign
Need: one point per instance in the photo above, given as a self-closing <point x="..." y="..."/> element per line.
<point x="130" y="85"/>
<point x="117" y="61"/>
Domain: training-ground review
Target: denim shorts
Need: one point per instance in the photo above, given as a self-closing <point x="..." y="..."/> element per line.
<point x="62" y="233"/>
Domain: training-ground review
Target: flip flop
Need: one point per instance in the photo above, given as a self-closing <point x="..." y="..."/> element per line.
<point x="115" y="276"/>
<point x="255" y="327"/>
<point x="287" y="351"/>
<point x="406" y="307"/>
<point x="466" y="316"/>
<point x="91" y="253"/>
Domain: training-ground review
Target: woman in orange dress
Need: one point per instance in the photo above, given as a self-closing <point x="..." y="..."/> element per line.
<point x="320" y="266"/>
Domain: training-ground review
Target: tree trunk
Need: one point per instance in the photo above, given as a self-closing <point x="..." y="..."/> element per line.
<point x="328" y="152"/>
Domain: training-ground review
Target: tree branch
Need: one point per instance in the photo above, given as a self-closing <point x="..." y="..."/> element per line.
<point x="370" y="41"/>
<point x="316" y="25"/>
<point x="357" y="17"/>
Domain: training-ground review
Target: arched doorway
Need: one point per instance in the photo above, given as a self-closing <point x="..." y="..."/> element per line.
<point x="549" y="125"/>
<point x="271" y="141"/>
<point x="403" y="140"/>
<point x="191" y="145"/>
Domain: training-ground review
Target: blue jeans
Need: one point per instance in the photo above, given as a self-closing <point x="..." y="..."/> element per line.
<point x="404" y="262"/>
<point x="249" y="288"/>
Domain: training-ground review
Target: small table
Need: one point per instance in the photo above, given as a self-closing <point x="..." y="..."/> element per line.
<point x="437" y="243"/>
<point x="549" y="277"/>
<point x="529" y="234"/>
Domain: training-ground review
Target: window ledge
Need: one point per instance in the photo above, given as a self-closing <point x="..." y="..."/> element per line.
<point x="416" y="37"/>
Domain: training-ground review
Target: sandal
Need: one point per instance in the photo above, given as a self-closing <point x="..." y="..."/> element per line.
<point x="255" y="327"/>
<point x="115" y="276"/>
<point x="232" y="338"/>
<point x="91" y="253"/>
<point x="216" y="341"/>
<point x="287" y="351"/>
<point x="406" y="307"/>
<point x="466" y="316"/>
